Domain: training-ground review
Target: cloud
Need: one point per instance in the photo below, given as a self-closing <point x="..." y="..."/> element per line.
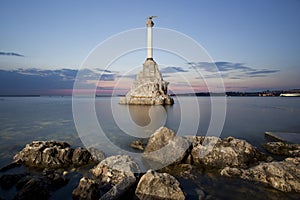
<point x="11" y="54"/>
<point x="169" y="70"/>
<point x="33" y="80"/>
<point x="130" y="76"/>
<point x="230" y="70"/>
<point x="264" y="72"/>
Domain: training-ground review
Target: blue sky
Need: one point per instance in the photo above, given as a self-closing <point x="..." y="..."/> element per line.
<point x="262" y="37"/>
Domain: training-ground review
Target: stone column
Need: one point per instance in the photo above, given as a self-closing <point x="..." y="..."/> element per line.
<point x="149" y="24"/>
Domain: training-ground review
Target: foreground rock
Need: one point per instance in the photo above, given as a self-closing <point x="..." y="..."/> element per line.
<point x="155" y="185"/>
<point x="118" y="172"/>
<point x="165" y="148"/>
<point x="52" y="154"/>
<point x="33" y="186"/>
<point x="216" y="153"/>
<point x="283" y="175"/>
<point x="115" y="168"/>
<point x="86" y="189"/>
<point x="283" y="149"/>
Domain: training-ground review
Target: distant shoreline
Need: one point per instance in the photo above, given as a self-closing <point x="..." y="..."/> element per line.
<point x="20" y="95"/>
<point x="275" y="93"/>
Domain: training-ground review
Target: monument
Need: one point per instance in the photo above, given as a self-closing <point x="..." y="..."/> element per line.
<point x="149" y="88"/>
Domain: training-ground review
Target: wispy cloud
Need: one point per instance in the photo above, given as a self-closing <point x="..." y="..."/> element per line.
<point x="231" y="70"/>
<point x="20" y="80"/>
<point x="130" y="76"/>
<point x="11" y="54"/>
<point x="169" y="70"/>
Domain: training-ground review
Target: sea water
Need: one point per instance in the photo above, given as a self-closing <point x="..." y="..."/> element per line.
<point x="25" y="119"/>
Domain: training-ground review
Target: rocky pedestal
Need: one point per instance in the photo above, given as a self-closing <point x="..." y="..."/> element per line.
<point x="149" y="88"/>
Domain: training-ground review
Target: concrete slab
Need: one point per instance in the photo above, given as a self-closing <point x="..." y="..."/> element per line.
<point x="284" y="137"/>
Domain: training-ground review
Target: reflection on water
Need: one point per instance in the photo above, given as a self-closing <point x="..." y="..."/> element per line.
<point x="140" y="114"/>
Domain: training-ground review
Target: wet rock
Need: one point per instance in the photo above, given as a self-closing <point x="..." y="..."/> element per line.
<point x="283" y="149"/>
<point x="9" y="180"/>
<point x="81" y="156"/>
<point x="97" y="155"/>
<point x="153" y="185"/>
<point x="160" y="138"/>
<point x="52" y="154"/>
<point x="137" y="145"/>
<point x="34" y="189"/>
<point x="216" y="153"/>
<point x="201" y="194"/>
<point x="39" y="185"/>
<point x="114" y="169"/>
<point x="164" y="148"/>
<point x="87" y="189"/>
<point x="54" y="179"/>
<point x="283" y="175"/>
<point x="10" y="166"/>
<point x="119" y="189"/>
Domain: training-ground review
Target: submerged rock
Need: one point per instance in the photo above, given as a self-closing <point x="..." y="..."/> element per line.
<point x="153" y="185"/>
<point x="9" y="180"/>
<point x="217" y="153"/>
<point x="34" y="188"/>
<point x="137" y="145"/>
<point x="87" y="189"/>
<point x="283" y="149"/>
<point x="283" y="175"/>
<point x="165" y="148"/>
<point x="39" y="187"/>
<point x="52" y="154"/>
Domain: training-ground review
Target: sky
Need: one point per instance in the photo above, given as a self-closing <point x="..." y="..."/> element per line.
<point x="253" y="45"/>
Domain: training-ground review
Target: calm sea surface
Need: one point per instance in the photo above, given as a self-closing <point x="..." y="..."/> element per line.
<point x="23" y="120"/>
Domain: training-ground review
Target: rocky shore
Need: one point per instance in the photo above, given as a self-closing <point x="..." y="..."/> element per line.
<point x="51" y="166"/>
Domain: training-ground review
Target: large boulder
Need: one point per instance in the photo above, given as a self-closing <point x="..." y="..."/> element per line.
<point x="164" y="148"/>
<point x="216" y="153"/>
<point x="281" y="175"/>
<point x="87" y="189"/>
<point x="52" y="154"/>
<point x="153" y="185"/>
<point x="283" y="149"/>
<point x="114" y="169"/>
<point x="118" y="173"/>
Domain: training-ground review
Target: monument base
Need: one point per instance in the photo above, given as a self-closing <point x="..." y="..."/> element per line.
<point x="149" y="88"/>
<point x="160" y="100"/>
